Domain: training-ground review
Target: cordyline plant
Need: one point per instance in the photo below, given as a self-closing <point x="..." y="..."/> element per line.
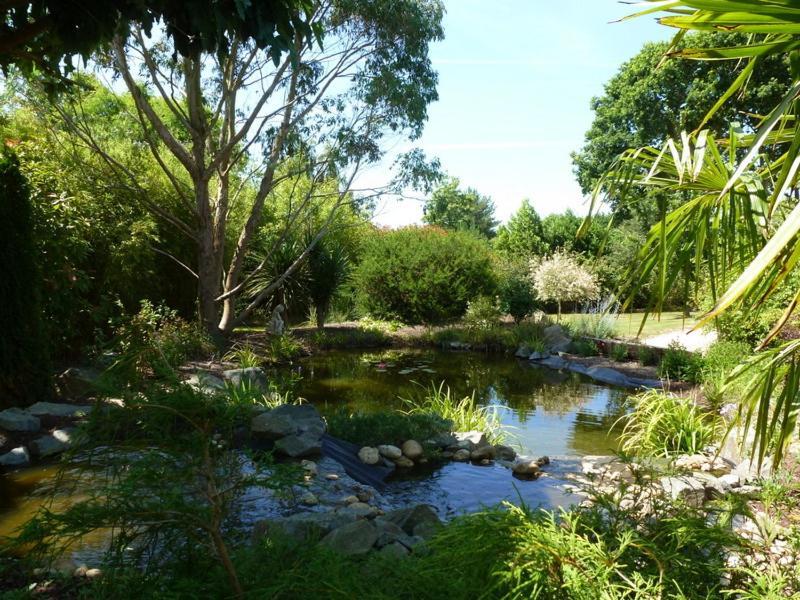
<point x="739" y="220"/>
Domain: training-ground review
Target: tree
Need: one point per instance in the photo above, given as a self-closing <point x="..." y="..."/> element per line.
<point x="651" y="99"/>
<point x="454" y="209"/>
<point x="328" y="268"/>
<point x="24" y="361"/>
<point x="523" y="235"/>
<point x="219" y="127"/>
<point x="739" y="221"/>
<point x="514" y="290"/>
<point x="562" y="278"/>
<point x="45" y="35"/>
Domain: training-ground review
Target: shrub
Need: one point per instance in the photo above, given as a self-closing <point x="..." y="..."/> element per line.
<point x="647" y="356"/>
<point x="618" y="352"/>
<point x="464" y="414"/>
<point x="482" y="314"/>
<point x="386" y="427"/>
<point x="584" y="347"/>
<point x="515" y="291"/>
<point x="24" y="359"/>
<point x="596" y="325"/>
<point x="285" y="348"/>
<point x="723" y="356"/>
<point x="244" y="356"/>
<point x="562" y="278"/>
<point x="422" y="274"/>
<point x="663" y="424"/>
<point x="679" y="364"/>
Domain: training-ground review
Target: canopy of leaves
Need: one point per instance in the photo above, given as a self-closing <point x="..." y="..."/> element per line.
<point x="523" y="235"/>
<point x="454" y="209"/>
<point x="563" y="279"/>
<point x="45" y="35"/>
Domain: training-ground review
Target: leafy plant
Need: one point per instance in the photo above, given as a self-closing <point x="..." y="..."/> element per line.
<point x="618" y="352"/>
<point x="597" y="325"/>
<point x="483" y="314"/>
<point x="647" y="356"/>
<point x="561" y="278"/>
<point x="386" y="427"/>
<point x="245" y="356"/>
<point x="514" y="290"/>
<point x="677" y="363"/>
<point x="464" y="414"/>
<point x="584" y="347"/>
<point x="663" y="424"/>
<point x="284" y="348"/>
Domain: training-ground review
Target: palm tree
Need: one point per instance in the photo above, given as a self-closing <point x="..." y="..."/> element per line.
<point x="739" y="212"/>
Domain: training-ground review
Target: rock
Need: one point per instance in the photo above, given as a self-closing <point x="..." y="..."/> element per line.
<point x="503" y="452"/>
<point x="331" y="476"/>
<point x="595" y="465"/>
<point x="461" y="455"/>
<point x="252" y="376"/>
<point x="369" y="455"/>
<point x="360" y="510"/>
<point x="523" y="352"/>
<point x="554" y="362"/>
<point x="390" y="452"/>
<point x="288" y="419"/>
<point x="421" y="520"/>
<point x="394" y="550"/>
<point x="750" y="471"/>
<point x="460" y="346"/>
<point x="730" y="480"/>
<point x="352" y="539"/>
<point x="714" y="487"/>
<point x="16" y="419"/>
<point x="556" y="339"/>
<point x="543" y="460"/>
<point x="205" y="382"/>
<point x="51" y="409"/>
<point x="538" y="355"/>
<point x="303" y="526"/>
<point x="77" y="382"/>
<point x="53" y="443"/>
<point x="483" y="453"/>
<point x="608" y="376"/>
<point x="485" y="462"/>
<point x="309" y="499"/>
<point x="296" y="446"/>
<point x="18" y="457"/>
<point x="443" y="440"/>
<point x="685" y="489"/>
<point x="404" y="462"/>
<point x="470" y="440"/>
<point x="310" y="467"/>
<point x="3" y="441"/>
<point x="691" y="462"/>
<point x="93" y="573"/>
<point x="412" y="449"/>
<point x="526" y="469"/>
<point x="349" y="500"/>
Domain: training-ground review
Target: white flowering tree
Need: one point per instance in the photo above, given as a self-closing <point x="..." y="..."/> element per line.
<point x="561" y="278"/>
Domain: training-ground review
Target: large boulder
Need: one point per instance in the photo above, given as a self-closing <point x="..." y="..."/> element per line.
<point x="527" y="469"/>
<point x="205" y="382"/>
<point x="51" y="409"/>
<point x="421" y="521"/>
<point x="288" y="419"/>
<point x="298" y="446"/>
<point x="77" y="382"/>
<point x="523" y="352"/>
<point x="352" y="539"/>
<point x="252" y="376"/>
<point x="469" y="440"/>
<point x="608" y="376"/>
<point x="412" y="449"/>
<point x="16" y="419"/>
<point x="390" y="452"/>
<point x="686" y="489"/>
<point x="303" y="526"/>
<point x="554" y="362"/>
<point x="556" y="339"/>
<point x="53" y="443"/>
<point x="18" y="457"/>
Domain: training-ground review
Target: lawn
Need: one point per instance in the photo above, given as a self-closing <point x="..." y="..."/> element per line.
<point x="627" y="325"/>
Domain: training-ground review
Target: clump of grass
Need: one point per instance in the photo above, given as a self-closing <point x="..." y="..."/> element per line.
<point x="663" y="424"/>
<point x="596" y="325"/>
<point x="584" y="347"/>
<point x="386" y="427"/>
<point x="618" y="352"/>
<point x="464" y="414"/>
<point x="285" y="348"/>
<point x="244" y="356"/>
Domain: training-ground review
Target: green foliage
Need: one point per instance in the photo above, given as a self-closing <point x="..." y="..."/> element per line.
<point x="285" y="348"/>
<point x="647" y="356"/>
<point x="456" y="210"/>
<point x="464" y="414"/>
<point x="422" y="274"/>
<point x="24" y="358"/>
<point x="618" y="352"/>
<point x="678" y="364"/>
<point x="514" y="289"/>
<point x="723" y="357"/>
<point x="328" y="268"/>
<point x="663" y="424"/>
<point x="386" y="427"/>
<point x="360" y="337"/>
<point x="244" y="356"/>
<point x="584" y="347"/>
<point x="599" y="325"/>
<point x="483" y="314"/>
<point x="154" y="343"/>
<point x="523" y="236"/>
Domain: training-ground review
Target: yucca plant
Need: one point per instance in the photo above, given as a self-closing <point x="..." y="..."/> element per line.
<point x="739" y="222"/>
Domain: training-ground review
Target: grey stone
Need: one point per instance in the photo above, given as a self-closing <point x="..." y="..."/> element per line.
<point x="412" y="449"/>
<point x="51" y="409"/>
<point x="444" y="440"/>
<point x="17" y="457"/>
<point x="309" y="499"/>
<point x="3" y="441"/>
<point x="352" y="539"/>
<point x="297" y="446"/>
<point x="556" y="339"/>
<point x="538" y="355"/>
<point x="470" y="439"/>
<point x="482" y="453"/>
<point x="714" y="487"/>
<point x="16" y="419"/>
<point x="554" y="362"/>
<point x="303" y="526"/>
<point x="359" y="510"/>
<point x="609" y="376"/>
<point x="394" y="550"/>
<point x="421" y="520"/>
<point x="504" y="452"/>
<point x="523" y="352"/>
<point x="686" y="489"/>
<point x="77" y="382"/>
<point x="390" y="452"/>
<point x="253" y="376"/>
<point x="730" y="480"/>
<point x="461" y="455"/>
<point x="404" y="462"/>
<point x="53" y="443"/>
<point x="205" y="382"/>
<point x="288" y="419"/>
<point x="527" y="469"/>
<point x="369" y="455"/>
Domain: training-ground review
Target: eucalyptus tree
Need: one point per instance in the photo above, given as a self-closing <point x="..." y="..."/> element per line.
<point x="219" y="125"/>
<point x="739" y="222"/>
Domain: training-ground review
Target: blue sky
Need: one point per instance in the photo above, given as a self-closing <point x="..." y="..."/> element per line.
<point x="515" y="81"/>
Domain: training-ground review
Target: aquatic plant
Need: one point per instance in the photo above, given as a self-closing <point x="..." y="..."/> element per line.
<point x="663" y="424"/>
<point x="285" y="348"/>
<point x="464" y="414"/>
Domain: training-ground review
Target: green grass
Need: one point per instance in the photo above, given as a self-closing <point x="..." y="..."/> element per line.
<point x="627" y="325"/>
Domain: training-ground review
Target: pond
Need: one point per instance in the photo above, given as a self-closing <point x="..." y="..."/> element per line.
<point x="560" y="414"/>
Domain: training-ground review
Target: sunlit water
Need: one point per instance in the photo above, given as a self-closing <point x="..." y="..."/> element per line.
<point x="544" y="412"/>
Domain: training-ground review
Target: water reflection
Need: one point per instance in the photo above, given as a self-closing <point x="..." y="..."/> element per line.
<point x="546" y="411"/>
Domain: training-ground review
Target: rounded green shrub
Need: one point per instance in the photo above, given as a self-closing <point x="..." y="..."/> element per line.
<point x="423" y="275"/>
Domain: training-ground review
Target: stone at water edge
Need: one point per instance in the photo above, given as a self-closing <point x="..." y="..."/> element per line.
<point x="394" y="550"/>
<point x="421" y="520"/>
<point x="412" y="449"/>
<point x="18" y="457"/>
<point x="483" y="453"/>
<point x="54" y="443"/>
<point x="461" y="455"/>
<point x="538" y="355"/>
<point x="253" y="376"/>
<point x="309" y="499"/>
<point x="527" y="468"/>
<point x="404" y="462"/>
<point x="369" y="455"/>
<point x="352" y="539"/>
<point x="687" y="489"/>
<point x="51" y="409"/>
<point x="310" y="467"/>
<point x="205" y="382"/>
<point x="556" y="339"/>
<point x="523" y="352"/>
<point x="16" y="419"/>
<point x="390" y="452"/>
<point x="296" y="446"/>
<point x="470" y="440"/>
<point x="3" y="441"/>
<point x="543" y="460"/>
<point x="349" y="500"/>
<point x="288" y="419"/>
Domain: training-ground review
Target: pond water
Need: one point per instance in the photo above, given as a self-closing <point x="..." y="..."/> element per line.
<point x="560" y="414"/>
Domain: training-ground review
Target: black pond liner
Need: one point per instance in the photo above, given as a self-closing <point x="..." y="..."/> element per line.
<point x="346" y="454"/>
